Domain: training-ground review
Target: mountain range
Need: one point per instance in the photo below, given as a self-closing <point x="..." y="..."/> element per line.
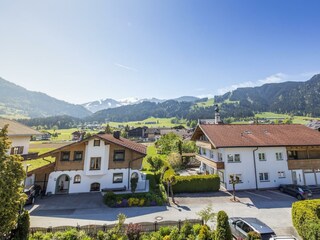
<point x="107" y="103"/>
<point x="297" y="98"/>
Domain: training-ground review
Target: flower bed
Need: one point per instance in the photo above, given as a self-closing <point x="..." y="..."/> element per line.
<point x="132" y="200"/>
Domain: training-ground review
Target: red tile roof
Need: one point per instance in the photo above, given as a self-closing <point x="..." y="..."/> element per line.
<point x="125" y="143"/>
<point x="260" y="135"/>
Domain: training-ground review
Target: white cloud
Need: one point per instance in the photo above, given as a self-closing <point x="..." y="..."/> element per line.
<point x="235" y="86"/>
<point x="275" y="78"/>
<point x="209" y="95"/>
<point x="126" y="67"/>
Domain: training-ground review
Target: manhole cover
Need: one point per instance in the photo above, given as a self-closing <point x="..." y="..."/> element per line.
<point x="159" y="218"/>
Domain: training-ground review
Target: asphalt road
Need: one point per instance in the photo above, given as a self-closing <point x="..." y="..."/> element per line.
<point x="270" y="206"/>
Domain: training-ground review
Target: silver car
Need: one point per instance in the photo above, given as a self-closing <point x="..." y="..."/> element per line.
<point x="240" y="227"/>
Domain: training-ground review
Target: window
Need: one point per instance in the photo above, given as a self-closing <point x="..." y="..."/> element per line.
<point x="118" y="155"/>
<point x="236" y="177"/>
<point x="237" y="157"/>
<point x="211" y="154"/>
<point x="78" y="156"/>
<point x="16" y="150"/>
<point x="279" y="156"/>
<point x="204" y="152"/>
<point x="117" y="177"/>
<point x="292" y="154"/>
<point x="233" y="158"/>
<point x="95" y="163"/>
<point x="95" y="187"/>
<point x="281" y="174"/>
<point x="96" y="143"/>
<point x="220" y="157"/>
<point x="264" y="177"/>
<point x="262" y="156"/>
<point x="77" y="179"/>
<point x="65" y="156"/>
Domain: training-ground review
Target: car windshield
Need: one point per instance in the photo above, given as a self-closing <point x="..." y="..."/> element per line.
<point x="266" y="236"/>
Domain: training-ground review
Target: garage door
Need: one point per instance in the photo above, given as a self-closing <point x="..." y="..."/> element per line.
<point x="310" y="178"/>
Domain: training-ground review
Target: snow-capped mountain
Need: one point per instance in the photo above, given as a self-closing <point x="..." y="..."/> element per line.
<point x="112" y="103"/>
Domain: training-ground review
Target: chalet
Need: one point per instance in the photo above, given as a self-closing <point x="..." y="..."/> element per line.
<point x="100" y="162"/>
<point x="77" y="135"/>
<point x="153" y="134"/>
<point x="139" y="132"/>
<point x="43" y="136"/>
<point x="262" y="156"/>
<point x="19" y="135"/>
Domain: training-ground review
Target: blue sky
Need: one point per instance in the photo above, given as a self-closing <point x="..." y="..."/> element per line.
<point x="81" y="51"/>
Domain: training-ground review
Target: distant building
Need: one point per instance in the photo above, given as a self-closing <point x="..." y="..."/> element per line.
<point x="153" y="134"/>
<point x="314" y="124"/>
<point x="77" y="135"/>
<point x="43" y="136"/>
<point x="139" y="132"/>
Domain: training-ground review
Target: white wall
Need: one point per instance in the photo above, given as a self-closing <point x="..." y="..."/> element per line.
<point x="20" y="141"/>
<point x="105" y="180"/>
<point x="96" y="151"/>
<point x="247" y="170"/>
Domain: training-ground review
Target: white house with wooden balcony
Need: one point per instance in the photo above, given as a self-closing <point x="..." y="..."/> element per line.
<point x="262" y="156"/>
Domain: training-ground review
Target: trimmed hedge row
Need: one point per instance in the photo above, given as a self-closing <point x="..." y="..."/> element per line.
<point x="196" y="183"/>
<point x="306" y="218"/>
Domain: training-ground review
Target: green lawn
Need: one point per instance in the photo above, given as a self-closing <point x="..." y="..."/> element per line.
<point x="208" y="103"/>
<point x="149" y="122"/>
<point x="296" y="119"/>
<point x="37" y="163"/>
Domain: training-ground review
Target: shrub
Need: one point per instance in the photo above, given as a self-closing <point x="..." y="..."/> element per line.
<point x="253" y="236"/>
<point x="223" y="231"/>
<point x="164" y="231"/>
<point x="134" y="184"/>
<point x="22" y="230"/>
<point x="133" y="231"/>
<point x="204" y="233"/>
<point x="186" y="229"/>
<point x="197" y="183"/>
<point x="306" y="218"/>
<point x="152" y="180"/>
<point x="175" y="160"/>
<point x="196" y="229"/>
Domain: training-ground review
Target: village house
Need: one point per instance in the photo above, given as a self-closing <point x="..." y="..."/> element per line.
<point x="100" y="162"/>
<point x="139" y="132"/>
<point x="262" y="156"/>
<point x="19" y="136"/>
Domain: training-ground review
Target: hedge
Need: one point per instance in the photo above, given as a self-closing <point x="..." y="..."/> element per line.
<point x="197" y="183"/>
<point x="306" y="218"/>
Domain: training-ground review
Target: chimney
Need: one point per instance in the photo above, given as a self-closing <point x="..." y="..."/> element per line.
<point x="116" y="134"/>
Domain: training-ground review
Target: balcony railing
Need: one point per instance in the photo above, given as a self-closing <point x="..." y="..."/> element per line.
<point x="203" y="144"/>
<point x="294" y="164"/>
<point x="210" y="162"/>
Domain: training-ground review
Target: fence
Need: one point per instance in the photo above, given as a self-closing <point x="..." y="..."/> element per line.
<point x="92" y="230"/>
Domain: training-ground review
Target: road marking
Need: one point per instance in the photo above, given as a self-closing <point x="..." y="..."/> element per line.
<point x="258" y="195"/>
<point x="279" y="193"/>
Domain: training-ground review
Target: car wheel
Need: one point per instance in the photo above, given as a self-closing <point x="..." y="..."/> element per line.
<point x="299" y="197"/>
<point x="281" y="189"/>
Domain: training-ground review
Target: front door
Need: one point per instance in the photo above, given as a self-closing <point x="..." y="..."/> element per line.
<point x="294" y="177"/>
<point x="63" y="183"/>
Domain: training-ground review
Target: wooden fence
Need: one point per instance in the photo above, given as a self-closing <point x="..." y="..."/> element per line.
<point x="92" y="230"/>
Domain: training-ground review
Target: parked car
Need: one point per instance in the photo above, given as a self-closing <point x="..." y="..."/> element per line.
<point x="283" y="238"/>
<point x="240" y="227"/>
<point x="301" y="192"/>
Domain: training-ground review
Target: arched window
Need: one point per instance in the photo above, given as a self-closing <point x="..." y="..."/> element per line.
<point x="95" y="187"/>
<point x="77" y="179"/>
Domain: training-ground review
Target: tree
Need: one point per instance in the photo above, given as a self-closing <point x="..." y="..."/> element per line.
<point x="108" y="129"/>
<point x="134" y="183"/>
<point x="223" y="231"/>
<point x="11" y="190"/>
<point x="155" y="162"/>
<point x="22" y="230"/>
<point x="168" y="143"/>
<point x="234" y="179"/>
<point x="207" y="214"/>
<point x="175" y="160"/>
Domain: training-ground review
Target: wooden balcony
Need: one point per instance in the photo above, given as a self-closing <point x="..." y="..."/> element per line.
<point x="203" y="144"/>
<point x="294" y="164"/>
<point x="210" y="162"/>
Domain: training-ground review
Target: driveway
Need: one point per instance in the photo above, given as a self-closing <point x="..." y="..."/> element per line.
<point x="270" y="206"/>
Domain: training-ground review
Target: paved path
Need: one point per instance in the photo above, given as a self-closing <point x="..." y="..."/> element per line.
<point x="272" y="207"/>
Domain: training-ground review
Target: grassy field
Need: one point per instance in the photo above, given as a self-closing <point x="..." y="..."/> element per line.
<point x="295" y="120"/>
<point x="149" y="122"/>
<point x="208" y="103"/>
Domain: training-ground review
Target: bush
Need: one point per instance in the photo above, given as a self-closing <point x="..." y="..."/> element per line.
<point x="306" y="218"/>
<point x="22" y="230"/>
<point x="152" y="180"/>
<point x="133" y="231"/>
<point x="197" y="183"/>
<point x="253" y="236"/>
<point x="223" y="231"/>
<point x="165" y="231"/>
